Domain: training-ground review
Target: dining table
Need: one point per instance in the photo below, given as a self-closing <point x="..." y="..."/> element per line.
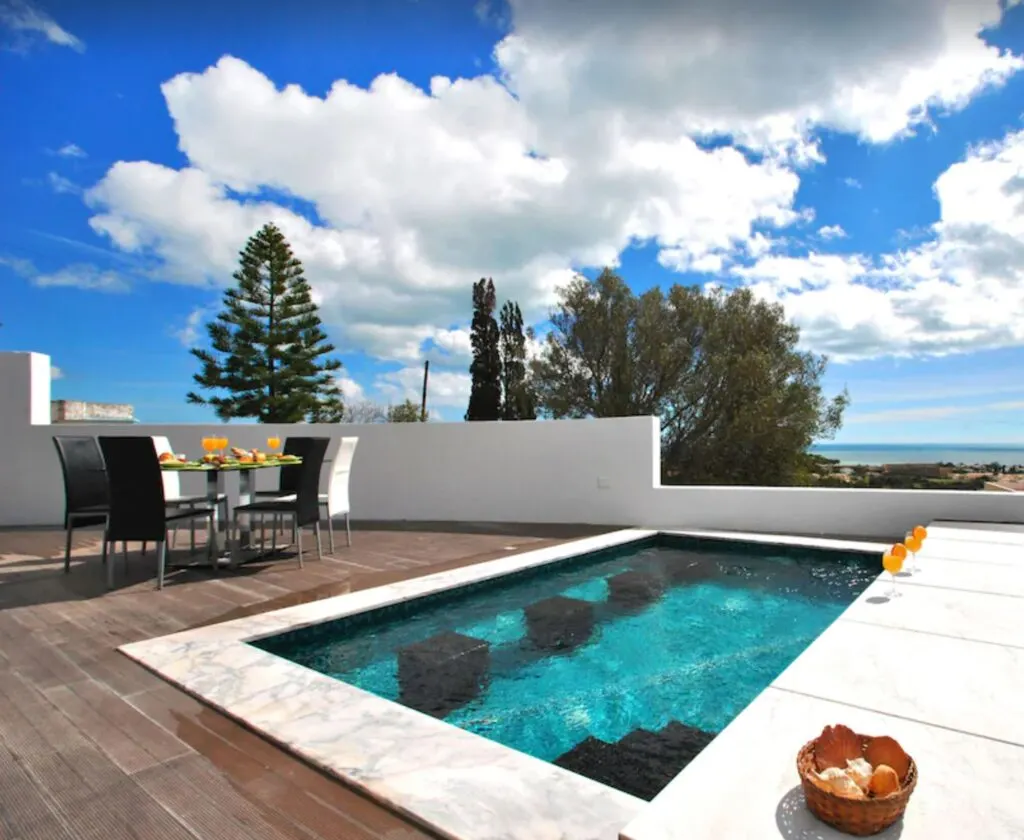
<point x="215" y="472"/>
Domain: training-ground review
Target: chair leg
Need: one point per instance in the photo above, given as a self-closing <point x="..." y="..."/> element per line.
<point x="211" y="542"/>
<point x="110" y="562"/>
<point x="348" y="529"/>
<point x="143" y="548"/>
<point x="161" y="560"/>
<point x="192" y="535"/>
<point x="275" y="522"/>
<point x="263" y="534"/>
<point x="319" y="544"/>
<point x="298" y="539"/>
<point x="330" y="531"/>
<point x="67" y="550"/>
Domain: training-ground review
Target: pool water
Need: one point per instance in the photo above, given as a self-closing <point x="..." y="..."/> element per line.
<point x="648" y="652"/>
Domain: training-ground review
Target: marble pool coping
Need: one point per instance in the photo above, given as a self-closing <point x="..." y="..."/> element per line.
<point x="457" y="783"/>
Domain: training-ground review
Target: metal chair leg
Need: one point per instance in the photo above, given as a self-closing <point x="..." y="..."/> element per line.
<point x="211" y="542"/>
<point x="274" y="522"/>
<point x="161" y="561"/>
<point x="263" y="534"/>
<point x="319" y="545"/>
<point x="348" y="529"/>
<point x="330" y="530"/>
<point x="143" y="548"/>
<point x="110" y="562"/>
<point x="298" y="540"/>
<point x="67" y="550"/>
<point x="192" y="535"/>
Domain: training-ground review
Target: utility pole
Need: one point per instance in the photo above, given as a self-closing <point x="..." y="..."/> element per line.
<point x="423" y="405"/>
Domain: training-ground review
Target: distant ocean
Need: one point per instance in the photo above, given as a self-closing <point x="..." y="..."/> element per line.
<point x="928" y="453"/>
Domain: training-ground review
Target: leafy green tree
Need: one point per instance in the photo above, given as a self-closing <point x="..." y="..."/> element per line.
<point x="739" y="402"/>
<point x="485" y="392"/>
<point x="269" y="356"/>
<point x="406" y="412"/>
<point x="517" y="399"/>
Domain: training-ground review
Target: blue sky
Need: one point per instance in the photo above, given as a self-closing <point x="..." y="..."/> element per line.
<point x="870" y="185"/>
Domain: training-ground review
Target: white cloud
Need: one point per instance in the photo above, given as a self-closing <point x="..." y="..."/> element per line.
<point x="60" y="184"/>
<point x="832" y="232"/>
<point x="351" y="390"/>
<point x="961" y="290"/>
<point x="853" y="183"/>
<point x="188" y="333"/>
<point x="938" y="412"/>
<point x="83" y="276"/>
<point x="583" y="148"/>
<point x="29" y="19"/>
<point x="445" y="388"/>
<point x="56" y="372"/>
<point x="71" y="150"/>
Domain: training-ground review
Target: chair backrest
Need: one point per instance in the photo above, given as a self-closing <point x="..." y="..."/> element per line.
<point x="307" y="492"/>
<point x="172" y="481"/>
<point x="288" y="477"/>
<point x="137" y="507"/>
<point x="341" y="468"/>
<point x="85" y="475"/>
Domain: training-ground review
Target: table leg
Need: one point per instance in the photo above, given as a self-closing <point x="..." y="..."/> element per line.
<point x="214" y="488"/>
<point x="245" y="495"/>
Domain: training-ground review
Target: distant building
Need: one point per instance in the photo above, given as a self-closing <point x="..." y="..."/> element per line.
<point x="77" y="411"/>
<point x="921" y="470"/>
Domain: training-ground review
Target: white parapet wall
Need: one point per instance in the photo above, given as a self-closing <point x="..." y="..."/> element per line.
<point x="602" y="472"/>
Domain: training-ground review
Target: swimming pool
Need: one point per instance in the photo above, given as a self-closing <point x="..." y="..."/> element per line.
<point x="620" y="665"/>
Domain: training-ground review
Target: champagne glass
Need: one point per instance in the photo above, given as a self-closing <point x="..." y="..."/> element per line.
<point x="892" y="564"/>
<point x="913" y="545"/>
<point x="273" y="442"/>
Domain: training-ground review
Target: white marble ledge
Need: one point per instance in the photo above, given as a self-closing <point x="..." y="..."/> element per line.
<point x="453" y="781"/>
<point x="991" y="578"/>
<point x="782" y="539"/>
<point x="978" y="616"/>
<point x="970" y="551"/>
<point x="266" y="624"/>
<point x="745" y="785"/>
<point x="966" y="685"/>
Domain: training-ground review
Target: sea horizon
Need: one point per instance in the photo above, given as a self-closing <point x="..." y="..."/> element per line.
<point x="875" y="454"/>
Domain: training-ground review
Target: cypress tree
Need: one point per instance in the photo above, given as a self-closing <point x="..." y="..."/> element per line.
<point x="485" y="393"/>
<point x="517" y="402"/>
<point x="269" y="354"/>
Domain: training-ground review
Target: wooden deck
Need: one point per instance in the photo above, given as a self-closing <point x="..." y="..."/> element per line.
<point x="94" y="747"/>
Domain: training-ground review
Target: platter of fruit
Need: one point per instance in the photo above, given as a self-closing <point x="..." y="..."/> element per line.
<point x="237" y="459"/>
<point x="859" y="784"/>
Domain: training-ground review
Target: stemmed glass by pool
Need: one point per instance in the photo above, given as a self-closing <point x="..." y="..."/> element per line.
<point x="892" y="562"/>
<point x="914" y="542"/>
<point x="273" y="442"/>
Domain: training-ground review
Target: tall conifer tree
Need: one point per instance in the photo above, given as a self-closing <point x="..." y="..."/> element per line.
<point x="269" y="356"/>
<point x="517" y="399"/>
<point x="485" y="393"/>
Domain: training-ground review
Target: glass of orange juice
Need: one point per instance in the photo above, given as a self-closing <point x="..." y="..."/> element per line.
<point x="913" y="544"/>
<point x="222" y="444"/>
<point x="209" y="444"/>
<point x="273" y="442"/>
<point x="892" y="562"/>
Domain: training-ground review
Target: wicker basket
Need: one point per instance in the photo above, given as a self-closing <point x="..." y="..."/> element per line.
<point x="860" y="817"/>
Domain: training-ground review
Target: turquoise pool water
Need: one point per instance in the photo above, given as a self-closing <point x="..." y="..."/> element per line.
<point x="686" y="640"/>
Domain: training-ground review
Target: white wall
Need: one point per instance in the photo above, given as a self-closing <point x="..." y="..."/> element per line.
<point x="603" y="472"/>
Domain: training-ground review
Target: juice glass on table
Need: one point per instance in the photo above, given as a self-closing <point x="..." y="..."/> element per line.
<point x="209" y="445"/>
<point x="892" y="562"/>
<point x="273" y="442"/>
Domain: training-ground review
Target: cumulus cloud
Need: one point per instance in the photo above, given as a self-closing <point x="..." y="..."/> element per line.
<point x="29" y="20"/>
<point x="584" y="142"/>
<point x="56" y="372"/>
<point x="59" y="184"/>
<point x="962" y="289"/>
<point x="71" y="150"/>
<point x="445" y="389"/>
<point x="832" y="232"/>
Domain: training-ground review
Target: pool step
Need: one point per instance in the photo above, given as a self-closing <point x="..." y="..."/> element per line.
<point x="642" y="762"/>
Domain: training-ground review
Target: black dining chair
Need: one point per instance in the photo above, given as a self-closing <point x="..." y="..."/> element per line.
<point x="86" y="498"/>
<point x="304" y="505"/>
<point x="138" y="509"/>
<point x="288" y="475"/>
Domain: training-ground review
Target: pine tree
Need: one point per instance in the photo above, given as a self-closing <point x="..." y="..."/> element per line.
<point x="485" y="394"/>
<point x="517" y="402"/>
<point x="268" y="351"/>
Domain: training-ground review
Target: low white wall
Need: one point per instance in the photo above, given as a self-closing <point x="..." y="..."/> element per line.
<point x="601" y="472"/>
<point x="516" y="472"/>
